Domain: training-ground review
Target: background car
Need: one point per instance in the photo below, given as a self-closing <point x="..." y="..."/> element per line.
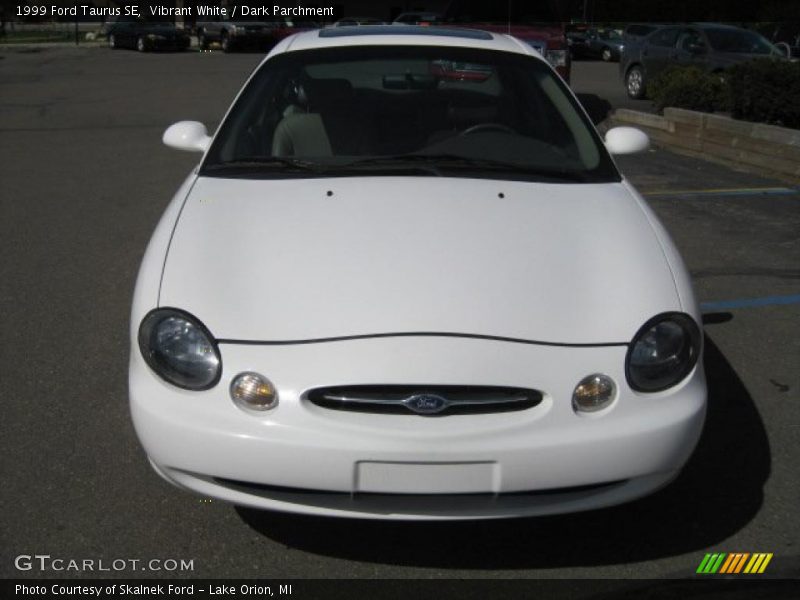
<point x="146" y="34"/>
<point x="407" y="281"/>
<point x="418" y="18"/>
<point x="637" y="31"/>
<point x="576" y="39"/>
<point x="356" y="21"/>
<point x="710" y="46"/>
<point x="234" y="34"/>
<point x="538" y="24"/>
<point x="606" y="44"/>
<point x="785" y="34"/>
<point x="258" y="34"/>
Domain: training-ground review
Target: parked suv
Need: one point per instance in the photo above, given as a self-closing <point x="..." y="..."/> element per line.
<point x="237" y="34"/>
<point x="710" y="46"/>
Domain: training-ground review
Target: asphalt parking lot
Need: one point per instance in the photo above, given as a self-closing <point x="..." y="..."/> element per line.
<point x="83" y="181"/>
<point x="602" y="80"/>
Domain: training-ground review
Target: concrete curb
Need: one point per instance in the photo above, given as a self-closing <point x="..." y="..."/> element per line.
<point x="764" y="149"/>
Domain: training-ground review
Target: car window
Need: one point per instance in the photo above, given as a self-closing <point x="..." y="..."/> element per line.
<point x="688" y="39"/>
<point x="334" y="108"/>
<point x="739" y="40"/>
<point x="664" y="37"/>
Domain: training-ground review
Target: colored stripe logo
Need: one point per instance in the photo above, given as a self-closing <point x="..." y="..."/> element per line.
<point x="734" y="563"/>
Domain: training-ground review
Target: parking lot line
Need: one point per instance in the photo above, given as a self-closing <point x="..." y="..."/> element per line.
<point x="750" y="302"/>
<point x="754" y="191"/>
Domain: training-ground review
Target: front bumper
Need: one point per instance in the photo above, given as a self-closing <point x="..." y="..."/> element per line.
<point x="303" y="458"/>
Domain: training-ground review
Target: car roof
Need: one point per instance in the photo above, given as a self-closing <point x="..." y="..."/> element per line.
<point x="704" y="25"/>
<point x="402" y="35"/>
<point x="700" y="25"/>
<point x="360" y="19"/>
<point x="418" y="13"/>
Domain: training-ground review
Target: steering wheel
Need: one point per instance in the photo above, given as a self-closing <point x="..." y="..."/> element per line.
<point x="488" y="127"/>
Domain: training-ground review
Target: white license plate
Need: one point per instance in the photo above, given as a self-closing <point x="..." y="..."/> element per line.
<point x="427" y="478"/>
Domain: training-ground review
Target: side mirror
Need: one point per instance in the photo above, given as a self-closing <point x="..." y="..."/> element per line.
<point x="784" y="48"/>
<point x="626" y="140"/>
<point x="191" y="136"/>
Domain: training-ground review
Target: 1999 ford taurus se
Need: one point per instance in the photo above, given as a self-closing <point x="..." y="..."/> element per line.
<point x="407" y="281"/>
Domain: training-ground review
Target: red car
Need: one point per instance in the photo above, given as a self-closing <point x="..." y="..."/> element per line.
<point x="536" y="23"/>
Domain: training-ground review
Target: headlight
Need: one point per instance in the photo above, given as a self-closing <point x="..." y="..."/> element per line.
<point x="663" y="352"/>
<point x="180" y="349"/>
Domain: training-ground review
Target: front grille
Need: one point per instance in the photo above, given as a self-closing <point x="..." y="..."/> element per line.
<point x="425" y="400"/>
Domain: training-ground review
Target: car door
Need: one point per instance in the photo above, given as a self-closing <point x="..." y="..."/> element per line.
<point x="691" y="49"/>
<point x="659" y="52"/>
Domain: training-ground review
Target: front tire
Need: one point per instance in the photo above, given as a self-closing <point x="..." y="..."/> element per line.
<point x="202" y="42"/>
<point x="226" y="44"/>
<point x="141" y="46"/>
<point x="634" y="83"/>
<point x="112" y="41"/>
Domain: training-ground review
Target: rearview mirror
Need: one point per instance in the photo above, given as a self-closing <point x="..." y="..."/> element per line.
<point x="191" y="136"/>
<point x="626" y="140"/>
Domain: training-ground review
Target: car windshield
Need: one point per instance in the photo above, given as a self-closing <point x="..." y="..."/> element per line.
<point x="733" y="40"/>
<point x="408" y="110"/>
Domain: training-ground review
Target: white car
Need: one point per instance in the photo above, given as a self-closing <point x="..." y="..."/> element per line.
<point x="407" y="281"/>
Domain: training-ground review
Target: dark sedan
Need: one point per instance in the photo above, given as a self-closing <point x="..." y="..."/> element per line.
<point x="603" y="43"/>
<point x="144" y="35"/>
<point x="710" y="46"/>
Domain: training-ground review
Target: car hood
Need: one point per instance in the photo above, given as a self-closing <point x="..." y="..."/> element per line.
<point x="293" y="259"/>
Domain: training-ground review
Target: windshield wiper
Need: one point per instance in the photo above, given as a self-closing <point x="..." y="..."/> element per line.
<point x="432" y="164"/>
<point x="267" y="163"/>
<point x="437" y="162"/>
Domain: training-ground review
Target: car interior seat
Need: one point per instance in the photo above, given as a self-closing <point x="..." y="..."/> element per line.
<point x="321" y="122"/>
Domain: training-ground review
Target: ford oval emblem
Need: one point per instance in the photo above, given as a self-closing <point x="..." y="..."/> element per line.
<point x="426" y="404"/>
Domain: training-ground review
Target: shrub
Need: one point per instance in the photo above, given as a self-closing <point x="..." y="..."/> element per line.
<point x="765" y="91"/>
<point x="689" y="87"/>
